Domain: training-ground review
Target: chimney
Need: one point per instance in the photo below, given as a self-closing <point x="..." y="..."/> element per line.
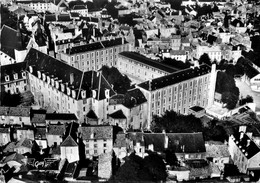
<point x="248" y="142"/>
<point x="71" y="78"/>
<point x="241" y="135"/>
<point x="166" y="141"/>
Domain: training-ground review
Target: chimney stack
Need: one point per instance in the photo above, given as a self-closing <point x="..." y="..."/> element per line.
<point x="248" y="142"/>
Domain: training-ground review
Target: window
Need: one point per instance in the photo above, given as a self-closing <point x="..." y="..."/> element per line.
<point x="95" y="146"/>
<point x="15" y="76"/>
<point x="7" y="78"/>
<point x="105" y="145"/>
<point x="95" y="151"/>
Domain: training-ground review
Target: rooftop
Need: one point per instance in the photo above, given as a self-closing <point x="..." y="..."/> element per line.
<point x="175" y="77"/>
<point x="96" y="132"/>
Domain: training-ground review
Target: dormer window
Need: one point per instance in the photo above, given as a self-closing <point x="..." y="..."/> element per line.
<point x="23" y="74"/>
<point x="7" y="78"/>
<point x="15" y="76"/>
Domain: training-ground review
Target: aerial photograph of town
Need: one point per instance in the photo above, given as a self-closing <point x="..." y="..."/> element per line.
<point x="135" y="91"/>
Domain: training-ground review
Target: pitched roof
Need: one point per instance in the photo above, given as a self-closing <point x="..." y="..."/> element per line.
<point x="217" y="150"/>
<point x="136" y="137"/>
<point x="4" y="130"/>
<point x="91" y="114"/>
<point x="175" y="77"/>
<point x="11" y="69"/>
<point x="96" y="132"/>
<point x="11" y="40"/>
<point x="38" y="116"/>
<point x="10" y="147"/>
<point x="117" y="115"/>
<point x="147" y="61"/>
<point x="95" y="46"/>
<point x="156" y="139"/>
<point x="40" y="133"/>
<point x="186" y="142"/>
<point x="24" y="143"/>
<point x="245" y="143"/>
<point x="79" y="7"/>
<point x="15" y="111"/>
<point x="56" y="129"/>
<point x="69" y="142"/>
<point x="14" y="157"/>
<point x="61" y="116"/>
<point x="120" y="140"/>
<point x="62" y="72"/>
<point x="134" y="97"/>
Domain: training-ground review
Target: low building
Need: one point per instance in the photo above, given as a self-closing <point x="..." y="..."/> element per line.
<point x="97" y="139"/>
<point x="80" y="9"/>
<point x="25" y="146"/>
<point x="69" y="149"/>
<point x="54" y="134"/>
<point x="15" y="115"/>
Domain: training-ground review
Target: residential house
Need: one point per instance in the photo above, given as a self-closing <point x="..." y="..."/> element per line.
<point x="244" y="152"/>
<point x="217" y="152"/>
<point x="179" y="91"/>
<point x="54" y="134"/>
<point x="23" y="132"/>
<point x="214" y="52"/>
<point x="14" y="78"/>
<point x="4" y="135"/>
<point x="15" y="115"/>
<point x="69" y="149"/>
<point x="237" y="26"/>
<point x="157" y="142"/>
<point x="38" y="117"/>
<point x="181" y="55"/>
<point x="92" y="56"/>
<point x="97" y="139"/>
<point x="81" y="9"/>
<point x="128" y="111"/>
<point x="120" y="145"/>
<point x="40" y="137"/>
<point x="187" y="145"/>
<point x="25" y="146"/>
<point x="65" y="89"/>
<point x="140" y="68"/>
<point x="60" y="118"/>
<point x="135" y="143"/>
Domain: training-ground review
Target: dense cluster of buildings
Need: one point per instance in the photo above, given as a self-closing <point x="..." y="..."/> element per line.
<point x="77" y="114"/>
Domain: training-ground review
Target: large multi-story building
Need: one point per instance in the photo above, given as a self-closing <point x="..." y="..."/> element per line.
<point x="180" y="90"/>
<point x="92" y="56"/>
<point x="65" y="89"/>
<point x="214" y="52"/>
<point x="140" y="68"/>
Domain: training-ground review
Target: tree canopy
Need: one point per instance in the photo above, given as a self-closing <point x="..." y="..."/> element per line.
<point x="135" y="168"/>
<point x="227" y="87"/>
<point x="121" y="83"/>
<point x="205" y="59"/>
<point x="10" y="100"/>
<point x="175" y="123"/>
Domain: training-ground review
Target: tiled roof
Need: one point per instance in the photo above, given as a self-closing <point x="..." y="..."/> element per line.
<point x="56" y="129"/>
<point x="14" y="157"/>
<point x="64" y="18"/>
<point x="11" y="41"/>
<point x="69" y="142"/>
<point x="79" y="7"/>
<point x="4" y="130"/>
<point x="186" y="142"/>
<point x="245" y="143"/>
<point x="50" y="18"/>
<point x="63" y="73"/>
<point x="15" y="111"/>
<point x="117" y="115"/>
<point x="24" y="143"/>
<point x="197" y="108"/>
<point x="9" y="147"/>
<point x="155" y="139"/>
<point x="96" y="132"/>
<point x="38" y="116"/>
<point x="61" y="116"/>
<point x="147" y="61"/>
<point x="11" y="69"/>
<point x="120" y="140"/>
<point x="134" y="98"/>
<point x="177" y="52"/>
<point x="176" y="77"/>
<point x="217" y="151"/>
<point x="136" y="137"/>
<point x="95" y="46"/>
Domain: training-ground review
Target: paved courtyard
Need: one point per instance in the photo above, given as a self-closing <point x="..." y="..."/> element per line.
<point x="246" y="90"/>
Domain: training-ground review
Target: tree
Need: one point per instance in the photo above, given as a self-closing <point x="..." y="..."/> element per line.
<point x="205" y="59"/>
<point x="121" y="83"/>
<point x="10" y="100"/>
<point x="215" y="132"/>
<point x="248" y="99"/>
<point x="7" y="18"/>
<point x="171" y="158"/>
<point x="176" y="123"/>
<point x="230" y="99"/>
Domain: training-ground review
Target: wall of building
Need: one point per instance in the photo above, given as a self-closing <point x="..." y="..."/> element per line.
<point x="70" y="153"/>
<point x="97" y="147"/>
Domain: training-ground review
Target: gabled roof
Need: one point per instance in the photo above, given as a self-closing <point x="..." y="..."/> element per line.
<point x="38" y="116"/>
<point x="175" y="77"/>
<point x="155" y="139"/>
<point x="14" y="157"/>
<point x="12" y="40"/>
<point x="186" y="142"/>
<point x="120" y="140"/>
<point x="69" y="142"/>
<point x="91" y="114"/>
<point x="61" y="116"/>
<point x="24" y="143"/>
<point x="96" y="132"/>
<point x="147" y="61"/>
<point x="15" y="111"/>
<point x="60" y="71"/>
<point x="118" y="115"/>
<point x="56" y="130"/>
<point x="134" y="98"/>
